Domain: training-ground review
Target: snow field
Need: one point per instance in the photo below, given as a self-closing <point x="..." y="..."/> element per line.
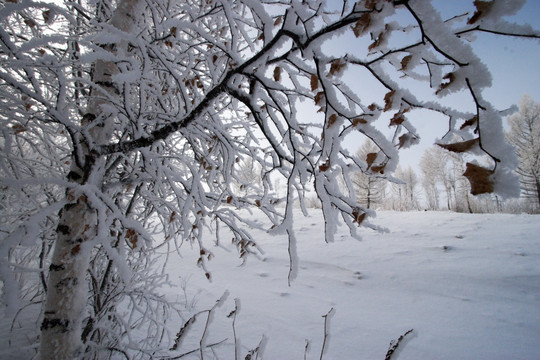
<point x="469" y="286"/>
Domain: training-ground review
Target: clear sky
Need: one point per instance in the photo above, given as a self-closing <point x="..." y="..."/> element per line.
<point x="514" y="62"/>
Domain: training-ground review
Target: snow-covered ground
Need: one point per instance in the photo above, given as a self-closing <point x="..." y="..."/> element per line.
<point x="469" y="286"/>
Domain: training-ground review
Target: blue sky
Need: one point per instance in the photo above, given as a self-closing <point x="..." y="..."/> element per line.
<point x="514" y="64"/>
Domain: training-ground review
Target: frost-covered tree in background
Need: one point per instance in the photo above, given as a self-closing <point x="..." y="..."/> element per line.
<point x="442" y="171"/>
<point x="442" y="177"/>
<point x="431" y="164"/>
<point x="405" y="193"/>
<point x="524" y="134"/>
<point x="369" y="187"/>
<point x="123" y="125"/>
<point x="248" y="177"/>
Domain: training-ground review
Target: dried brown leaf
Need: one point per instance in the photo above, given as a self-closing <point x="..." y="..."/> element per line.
<point x="403" y="140"/>
<point x="359" y="121"/>
<point x="397" y="119"/>
<point x="331" y="120"/>
<point x="388" y="100"/>
<point x="319" y="97"/>
<point x="76" y="249"/>
<point x="278" y="20"/>
<point x="370" y="158"/>
<point x="471" y="122"/>
<point x="362" y="24"/>
<point x="47" y="16"/>
<point x="451" y="77"/>
<point x="336" y="66"/>
<point x="378" y="168"/>
<point x="325" y="166"/>
<point x="405" y="61"/>
<point x="377" y="41"/>
<point x="18" y="128"/>
<point x="277" y="73"/>
<point x="171" y="218"/>
<point x="482" y="8"/>
<point x="132" y="237"/>
<point x="370" y="4"/>
<point x="358" y="216"/>
<point x="479" y="178"/>
<point x="460" y="147"/>
<point x="31" y="23"/>
<point x="314" y="82"/>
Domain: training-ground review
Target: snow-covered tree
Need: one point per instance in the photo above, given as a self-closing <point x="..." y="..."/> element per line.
<point x="442" y="169"/>
<point x="404" y="195"/>
<point x="524" y="134"/>
<point x="248" y="177"/>
<point x="442" y="172"/>
<point x="122" y="122"/>
<point x="369" y="188"/>
<point x="432" y="164"/>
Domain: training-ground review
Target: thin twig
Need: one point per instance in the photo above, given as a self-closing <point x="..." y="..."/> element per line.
<point x="478" y="28"/>
<point x="208" y="321"/>
<point x="306" y="349"/>
<point x="326" y="317"/>
<point x="182" y="332"/>
<point x="394" y="345"/>
<point x="195" y="350"/>
<point x="236" y="341"/>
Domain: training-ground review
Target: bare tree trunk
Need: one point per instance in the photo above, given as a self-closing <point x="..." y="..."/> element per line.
<point x="67" y="288"/>
<point x="538" y="191"/>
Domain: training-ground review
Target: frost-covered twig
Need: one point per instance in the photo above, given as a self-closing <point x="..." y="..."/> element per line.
<point x="208" y="346"/>
<point x="234" y="313"/>
<point x="326" y="338"/>
<point x="306" y="349"/>
<point x="394" y="345"/>
<point x="259" y="350"/>
<point x="209" y="318"/>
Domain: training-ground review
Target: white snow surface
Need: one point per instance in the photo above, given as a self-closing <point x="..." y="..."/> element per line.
<point x="469" y="286"/>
